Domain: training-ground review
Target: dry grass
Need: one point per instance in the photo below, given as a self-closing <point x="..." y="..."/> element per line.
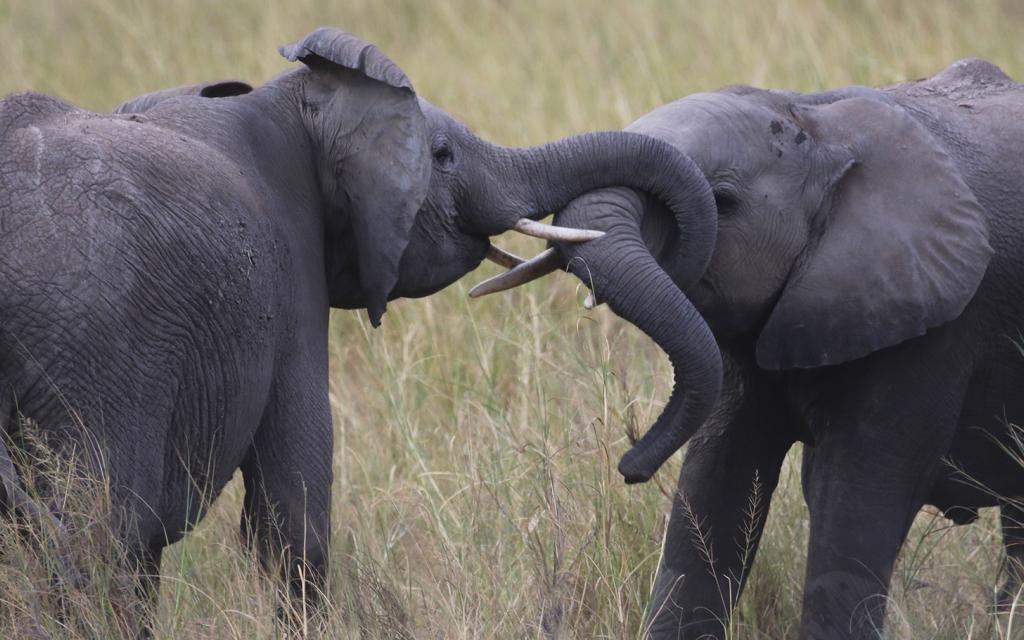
<point x="475" y="492"/>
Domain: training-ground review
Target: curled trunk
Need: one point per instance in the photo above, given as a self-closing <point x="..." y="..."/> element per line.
<point x="621" y="271"/>
<point x="544" y="179"/>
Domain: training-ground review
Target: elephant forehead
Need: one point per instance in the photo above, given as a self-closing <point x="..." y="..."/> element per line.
<point x="437" y="119"/>
<point x="720" y="130"/>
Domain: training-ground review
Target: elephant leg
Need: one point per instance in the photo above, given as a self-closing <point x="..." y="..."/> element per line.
<point x="287" y="474"/>
<point x="857" y="529"/>
<point x="878" y="448"/>
<point x="145" y="561"/>
<point x="1011" y="515"/>
<point x="727" y="480"/>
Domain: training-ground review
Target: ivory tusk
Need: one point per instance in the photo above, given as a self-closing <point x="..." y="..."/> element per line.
<point x="542" y="264"/>
<point x="559" y="234"/>
<point x="508" y="260"/>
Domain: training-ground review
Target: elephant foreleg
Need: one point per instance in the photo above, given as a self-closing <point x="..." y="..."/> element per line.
<point x="730" y="472"/>
<point x="879" y="445"/>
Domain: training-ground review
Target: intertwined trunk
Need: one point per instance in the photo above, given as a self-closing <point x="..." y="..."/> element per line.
<point x="621" y="271"/>
<point x="538" y="181"/>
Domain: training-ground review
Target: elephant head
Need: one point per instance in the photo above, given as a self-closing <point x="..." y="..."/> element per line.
<point x="415" y="193"/>
<point x="844" y="227"/>
<point x="412" y="195"/>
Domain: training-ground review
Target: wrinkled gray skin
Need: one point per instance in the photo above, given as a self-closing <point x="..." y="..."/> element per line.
<point x="866" y="289"/>
<point x="166" y="276"/>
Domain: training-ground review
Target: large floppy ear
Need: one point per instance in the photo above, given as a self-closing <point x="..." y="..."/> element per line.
<point x="378" y="155"/>
<point x="220" y="89"/>
<point x="901" y="242"/>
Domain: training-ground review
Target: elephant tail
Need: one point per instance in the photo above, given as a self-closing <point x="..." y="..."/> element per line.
<point x="16" y="502"/>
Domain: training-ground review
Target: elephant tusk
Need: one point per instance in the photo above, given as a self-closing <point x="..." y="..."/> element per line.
<point x="508" y="260"/>
<point x="536" y="229"/>
<point x="541" y="265"/>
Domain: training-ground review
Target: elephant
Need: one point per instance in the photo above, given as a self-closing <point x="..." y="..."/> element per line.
<point x="166" y="274"/>
<point x="218" y="89"/>
<point x="866" y="293"/>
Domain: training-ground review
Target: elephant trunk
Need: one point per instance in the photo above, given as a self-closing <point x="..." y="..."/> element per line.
<point x="621" y="271"/>
<point x="549" y="176"/>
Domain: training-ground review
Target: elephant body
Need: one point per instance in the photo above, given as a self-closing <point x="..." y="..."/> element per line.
<point x="167" y="271"/>
<point x="187" y="345"/>
<point x="867" y="293"/>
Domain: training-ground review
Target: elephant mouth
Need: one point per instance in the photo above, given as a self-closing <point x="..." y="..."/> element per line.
<point x="426" y="279"/>
<point x="521" y="271"/>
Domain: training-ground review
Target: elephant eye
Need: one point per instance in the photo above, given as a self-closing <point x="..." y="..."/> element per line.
<point x="726" y="200"/>
<point x="443" y="155"/>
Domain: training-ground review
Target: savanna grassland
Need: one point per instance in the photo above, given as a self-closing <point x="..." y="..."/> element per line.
<point x="475" y="490"/>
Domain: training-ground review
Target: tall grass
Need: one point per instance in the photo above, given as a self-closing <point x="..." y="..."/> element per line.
<point x="475" y="493"/>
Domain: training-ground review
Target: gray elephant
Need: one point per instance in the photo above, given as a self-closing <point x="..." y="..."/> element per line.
<point x="218" y="89"/>
<point x="166" y="276"/>
<point x="866" y="290"/>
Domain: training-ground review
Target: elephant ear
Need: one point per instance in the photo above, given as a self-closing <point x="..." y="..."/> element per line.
<point x="220" y="89"/>
<point x="901" y="246"/>
<point x="372" y="123"/>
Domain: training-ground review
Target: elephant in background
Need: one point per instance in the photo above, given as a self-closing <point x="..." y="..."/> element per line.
<point x="866" y="290"/>
<point x="218" y="89"/>
<point x="166" y="272"/>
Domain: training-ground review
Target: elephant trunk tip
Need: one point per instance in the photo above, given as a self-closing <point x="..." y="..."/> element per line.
<point x="636" y="469"/>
